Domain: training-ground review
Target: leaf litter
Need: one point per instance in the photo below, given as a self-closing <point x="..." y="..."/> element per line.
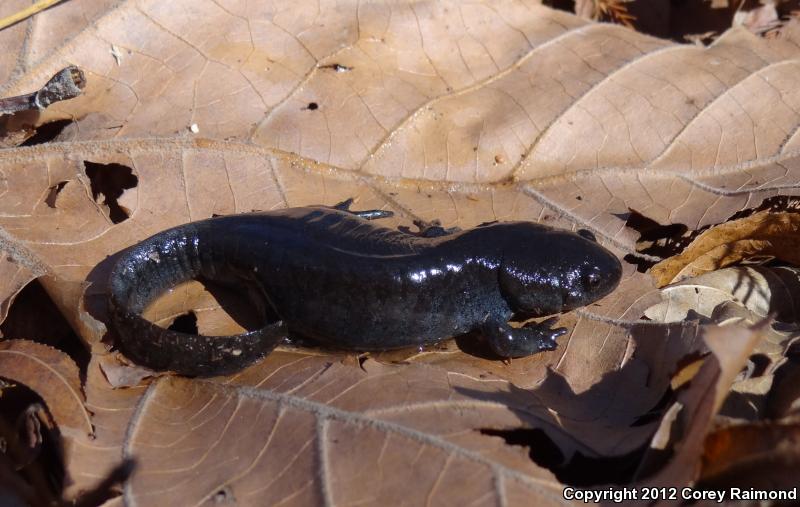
<point x="506" y="113"/>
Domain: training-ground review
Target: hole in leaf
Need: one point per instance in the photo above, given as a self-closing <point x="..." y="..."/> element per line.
<point x="47" y="132"/>
<point x="224" y="496"/>
<point x="53" y="192"/>
<point x="111" y="180"/>
<point x="186" y="323"/>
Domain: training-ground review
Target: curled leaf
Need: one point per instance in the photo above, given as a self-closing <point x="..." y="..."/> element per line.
<point x="764" y="233"/>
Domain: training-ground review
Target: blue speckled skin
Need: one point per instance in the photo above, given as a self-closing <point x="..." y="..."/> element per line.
<point x="347" y="283"/>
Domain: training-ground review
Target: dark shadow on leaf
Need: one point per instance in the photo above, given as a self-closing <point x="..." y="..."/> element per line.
<point x="52" y="193"/>
<point x="602" y="433"/>
<point x="654" y="239"/>
<point x="34" y="316"/>
<point x="33" y="445"/>
<point x="47" y="132"/>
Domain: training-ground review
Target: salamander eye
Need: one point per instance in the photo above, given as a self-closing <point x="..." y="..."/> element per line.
<point x="587" y="234"/>
<point x="593" y="279"/>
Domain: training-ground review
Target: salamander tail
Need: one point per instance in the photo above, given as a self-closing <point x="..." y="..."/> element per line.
<point x="146" y="271"/>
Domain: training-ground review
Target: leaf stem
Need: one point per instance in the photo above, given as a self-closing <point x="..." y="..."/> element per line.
<point x="27" y="12"/>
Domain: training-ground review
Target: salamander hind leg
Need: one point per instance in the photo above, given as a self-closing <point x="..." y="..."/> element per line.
<point x="370" y="214"/>
<point x="507" y="341"/>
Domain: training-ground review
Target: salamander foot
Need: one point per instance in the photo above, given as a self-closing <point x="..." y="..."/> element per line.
<point x="432" y="229"/>
<point x="371" y="214"/>
<point x="507" y="341"/>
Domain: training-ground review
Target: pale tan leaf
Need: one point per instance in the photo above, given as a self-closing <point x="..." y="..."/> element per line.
<point x="759" y="20"/>
<point x="27" y="42"/>
<point x="257" y="183"/>
<point x="329" y="438"/>
<point x="759" y="290"/>
<point x="585" y="9"/>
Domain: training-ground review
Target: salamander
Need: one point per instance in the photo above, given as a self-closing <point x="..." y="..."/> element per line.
<point x="333" y="276"/>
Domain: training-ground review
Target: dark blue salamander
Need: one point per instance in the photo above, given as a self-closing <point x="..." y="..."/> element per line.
<point x="334" y="277"/>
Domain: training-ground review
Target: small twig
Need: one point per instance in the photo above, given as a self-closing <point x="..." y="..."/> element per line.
<point x="67" y="84"/>
<point x="27" y="12"/>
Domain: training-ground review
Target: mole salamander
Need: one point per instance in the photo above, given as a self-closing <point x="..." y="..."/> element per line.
<point x="332" y="276"/>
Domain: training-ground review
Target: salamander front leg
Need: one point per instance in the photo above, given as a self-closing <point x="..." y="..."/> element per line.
<point x="507" y="341"/>
<point x="370" y="214"/>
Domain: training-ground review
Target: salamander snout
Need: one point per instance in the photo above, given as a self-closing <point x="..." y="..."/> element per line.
<point x="592" y="278"/>
<point x="552" y="270"/>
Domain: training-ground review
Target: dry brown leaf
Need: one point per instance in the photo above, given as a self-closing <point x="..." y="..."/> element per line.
<point x="120" y="373"/>
<point x="759" y="455"/>
<point x="53" y="376"/>
<point x="337" y="435"/>
<point x="416" y="394"/>
<point x="89" y="461"/>
<point x="700" y="401"/>
<point x="739" y="296"/>
<point x="751" y="394"/>
<point x="13" y="277"/>
<point x="762" y="233"/>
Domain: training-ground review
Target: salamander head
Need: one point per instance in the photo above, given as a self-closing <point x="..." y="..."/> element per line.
<point x="546" y="271"/>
